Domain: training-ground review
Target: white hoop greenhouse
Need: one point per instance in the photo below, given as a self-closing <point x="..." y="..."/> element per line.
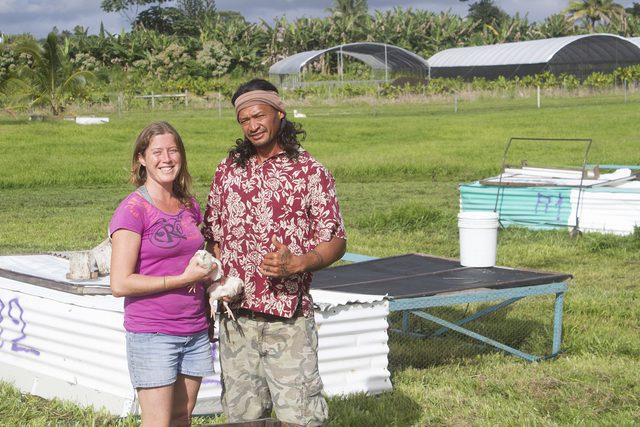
<point x="385" y="59"/>
<point x="579" y="55"/>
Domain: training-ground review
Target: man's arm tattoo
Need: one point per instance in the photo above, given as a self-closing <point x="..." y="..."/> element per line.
<point x="319" y="260"/>
<point x="283" y="264"/>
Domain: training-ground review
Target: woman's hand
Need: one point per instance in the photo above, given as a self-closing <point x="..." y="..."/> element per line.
<point x="195" y="271"/>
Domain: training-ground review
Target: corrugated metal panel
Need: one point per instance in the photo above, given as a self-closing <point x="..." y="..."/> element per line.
<point x="613" y="210"/>
<point x="609" y="210"/>
<point x="526" y="52"/>
<point x="64" y="347"/>
<point x="534" y="207"/>
<point x="72" y="346"/>
<point x="352" y="339"/>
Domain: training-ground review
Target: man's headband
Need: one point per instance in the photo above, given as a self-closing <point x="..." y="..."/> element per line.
<point x="255" y="97"/>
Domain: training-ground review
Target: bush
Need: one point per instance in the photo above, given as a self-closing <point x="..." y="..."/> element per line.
<point x="569" y="81"/>
<point x="599" y="80"/>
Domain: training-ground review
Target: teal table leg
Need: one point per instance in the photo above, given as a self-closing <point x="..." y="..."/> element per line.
<point x="557" y="324"/>
<point x="478" y="315"/>
<point x="405" y="321"/>
<point x="474" y="335"/>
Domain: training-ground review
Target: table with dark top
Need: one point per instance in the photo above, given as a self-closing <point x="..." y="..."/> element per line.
<point x="414" y="282"/>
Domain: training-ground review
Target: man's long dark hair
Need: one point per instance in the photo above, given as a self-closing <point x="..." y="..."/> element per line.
<point x="289" y="136"/>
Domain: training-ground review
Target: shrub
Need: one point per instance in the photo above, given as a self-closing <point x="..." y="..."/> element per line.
<point x="599" y="80"/>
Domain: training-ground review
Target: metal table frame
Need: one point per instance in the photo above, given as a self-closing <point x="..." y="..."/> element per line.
<point x="414" y="306"/>
<point x="504" y="297"/>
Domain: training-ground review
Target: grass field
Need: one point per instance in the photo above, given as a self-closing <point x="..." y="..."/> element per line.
<point x="397" y="168"/>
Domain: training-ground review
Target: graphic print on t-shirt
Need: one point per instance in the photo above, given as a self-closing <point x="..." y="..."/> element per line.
<point x="167" y="233"/>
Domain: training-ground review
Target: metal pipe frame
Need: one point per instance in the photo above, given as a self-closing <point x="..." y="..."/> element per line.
<point x="414" y="306"/>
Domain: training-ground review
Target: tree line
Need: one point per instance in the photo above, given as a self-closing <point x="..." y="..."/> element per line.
<point x="193" y="46"/>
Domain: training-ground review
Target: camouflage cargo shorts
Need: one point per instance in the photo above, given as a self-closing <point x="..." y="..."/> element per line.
<point x="271" y="365"/>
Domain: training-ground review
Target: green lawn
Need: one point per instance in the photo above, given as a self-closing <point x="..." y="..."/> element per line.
<point x="397" y="168"/>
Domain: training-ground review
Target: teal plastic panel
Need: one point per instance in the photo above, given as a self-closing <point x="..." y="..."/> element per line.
<point x="532" y="207"/>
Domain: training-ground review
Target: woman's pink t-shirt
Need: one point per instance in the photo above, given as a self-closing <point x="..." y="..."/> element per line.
<point x="168" y="243"/>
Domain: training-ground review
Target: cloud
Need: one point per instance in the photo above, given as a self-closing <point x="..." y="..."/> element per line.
<point x="38" y="17"/>
<point x="294" y="9"/>
<point x="271" y="9"/>
<point x="8" y="7"/>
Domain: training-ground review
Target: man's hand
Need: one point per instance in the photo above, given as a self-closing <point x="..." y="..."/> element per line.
<point x="281" y="263"/>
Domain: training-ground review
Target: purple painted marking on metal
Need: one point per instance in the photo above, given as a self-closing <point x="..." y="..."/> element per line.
<point x="15" y="346"/>
<point x="2" y="306"/>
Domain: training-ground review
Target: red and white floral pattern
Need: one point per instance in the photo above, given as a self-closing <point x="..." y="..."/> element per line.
<point x="295" y="200"/>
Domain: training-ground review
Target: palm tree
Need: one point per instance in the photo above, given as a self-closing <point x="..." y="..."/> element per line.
<point x="556" y="26"/>
<point x="12" y="95"/>
<point x="592" y="11"/>
<point x="51" y="78"/>
<point x="350" y="20"/>
<point x="355" y="8"/>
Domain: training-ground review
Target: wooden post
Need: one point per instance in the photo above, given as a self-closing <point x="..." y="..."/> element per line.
<point x="120" y="102"/>
<point x="153" y="101"/>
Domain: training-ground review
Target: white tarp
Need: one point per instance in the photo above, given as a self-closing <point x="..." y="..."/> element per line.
<point x="85" y="120"/>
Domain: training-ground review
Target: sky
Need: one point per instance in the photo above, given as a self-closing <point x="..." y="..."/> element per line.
<point x="39" y="17"/>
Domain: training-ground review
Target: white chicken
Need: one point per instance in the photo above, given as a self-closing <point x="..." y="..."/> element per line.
<point x="206" y="260"/>
<point x="225" y="287"/>
<point x="221" y="286"/>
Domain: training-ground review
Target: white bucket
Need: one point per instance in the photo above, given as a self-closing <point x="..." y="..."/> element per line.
<point x="478" y="238"/>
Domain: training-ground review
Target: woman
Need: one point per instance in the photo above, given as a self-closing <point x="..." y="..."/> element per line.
<point x="155" y="234"/>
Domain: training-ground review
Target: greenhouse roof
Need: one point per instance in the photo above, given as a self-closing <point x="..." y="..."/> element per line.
<point x="600" y="47"/>
<point x="379" y="56"/>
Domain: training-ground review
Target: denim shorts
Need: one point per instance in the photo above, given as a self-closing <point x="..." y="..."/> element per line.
<point x="156" y="359"/>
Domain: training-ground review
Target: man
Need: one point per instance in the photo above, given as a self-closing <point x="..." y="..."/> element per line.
<point x="272" y="218"/>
